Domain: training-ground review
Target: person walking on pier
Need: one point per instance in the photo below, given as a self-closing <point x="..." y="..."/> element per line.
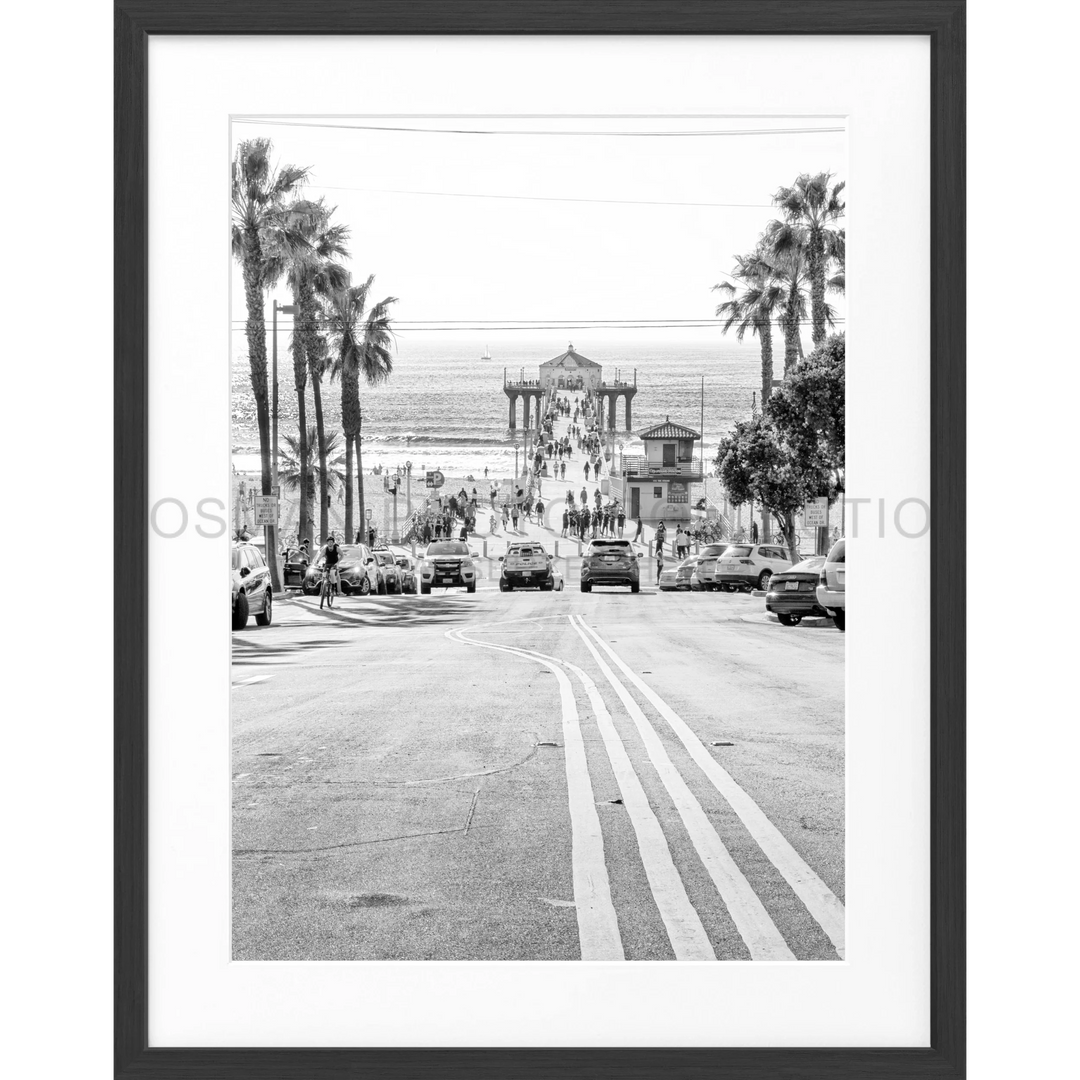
<point x="640" y="529"/>
<point x="514" y="516"/>
<point x="565" y="520"/>
<point x="622" y="520"/>
<point x="584" y="496"/>
<point x="586" y="472"/>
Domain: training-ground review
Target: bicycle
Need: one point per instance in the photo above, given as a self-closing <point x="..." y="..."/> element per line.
<point x="328" y="586"/>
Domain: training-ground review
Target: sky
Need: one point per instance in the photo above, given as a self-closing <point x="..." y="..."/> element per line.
<point x="549" y="219"/>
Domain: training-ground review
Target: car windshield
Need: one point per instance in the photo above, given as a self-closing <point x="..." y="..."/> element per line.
<point x="384" y="558"/>
<point x="403" y="562"/>
<point x="837" y="553"/>
<point x="350" y="552"/>
<point x="807" y="566"/>
<point x="713" y="550"/>
<point x="737" y="551"/>
<point x="448" y="547"/>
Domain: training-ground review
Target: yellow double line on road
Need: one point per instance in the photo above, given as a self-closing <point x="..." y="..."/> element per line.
<point x="597" y="925"/>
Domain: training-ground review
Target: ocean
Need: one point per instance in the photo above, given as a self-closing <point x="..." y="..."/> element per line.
<point x="444" y="408"/>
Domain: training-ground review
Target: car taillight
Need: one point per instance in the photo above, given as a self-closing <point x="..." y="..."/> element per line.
<point x="822" y="578"/>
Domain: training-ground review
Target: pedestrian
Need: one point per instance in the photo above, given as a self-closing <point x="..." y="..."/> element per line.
<point x="505" y="515"/>
<point x="584" y="521"/>
<point x="586" y="471"/>
<point x="562" y="470"/>
<point x="565" y="521"/>
<point x="514" y="516"/>
<point x="485" y="472"/>
<point x="640" y="529"/>
<point x="584" y="496"/>
<point x="539" y="511"/>
<point x="659" y="559"/>
<point x="753" y="532"/>
<point x="661" y="532"/>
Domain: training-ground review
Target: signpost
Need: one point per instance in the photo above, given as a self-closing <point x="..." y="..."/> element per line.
<point x="266" y="510"/>
<point x="434" y="479"/>
<point x="816" y="514"/>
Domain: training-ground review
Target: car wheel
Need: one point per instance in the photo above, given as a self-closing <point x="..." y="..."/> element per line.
<point x="382" y="587"/>
<point x="586" y="587"/>
<point x="789" y="620"/>
<point x="364" y="588"/>
<point x="838" y="618"/>
<point x="471" y="588"/>
<point x="764" y="579"/>
<point x="635" y="587"/>
<point x="240" y="612"/>
<point x="308" y="590"/>
<point x="266" y="616"/>
<point x="425" y="589"/>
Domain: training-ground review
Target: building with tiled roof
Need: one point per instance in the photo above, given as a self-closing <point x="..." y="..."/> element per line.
<point x="656" y="484"/>
<point x="570" y="371"/>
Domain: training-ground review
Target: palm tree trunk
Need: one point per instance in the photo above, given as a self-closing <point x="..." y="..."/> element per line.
<point x="361" y="509"/>
<point x="765" y="336"/>
<point x="320" y="429"/>
<point x="349" y="534"/>
<point x="256" y="341"/>
<point x="816" y="260"/>
<point x="300" y="381"/>
<point x="791" y="342"/>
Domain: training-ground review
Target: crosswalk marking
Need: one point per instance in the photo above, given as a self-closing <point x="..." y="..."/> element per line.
<point x="819" y="899"/>
<point x="753" y="922"/>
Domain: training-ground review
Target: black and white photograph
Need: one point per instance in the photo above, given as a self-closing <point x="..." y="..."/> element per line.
<point x="538" y="530"/>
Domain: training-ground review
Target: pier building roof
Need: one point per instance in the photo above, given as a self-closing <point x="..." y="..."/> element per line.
<point x="669" y="430"/>
<point x="571" y="359"/>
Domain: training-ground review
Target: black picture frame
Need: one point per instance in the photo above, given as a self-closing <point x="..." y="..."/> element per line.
<point x="943" y="21"/>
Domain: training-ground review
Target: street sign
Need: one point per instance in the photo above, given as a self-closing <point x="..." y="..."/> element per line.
<point x="266" y="510"/>
<point x="434" y="479"/>
<point x="367" y="512"/>
<point x="816" y="514"/>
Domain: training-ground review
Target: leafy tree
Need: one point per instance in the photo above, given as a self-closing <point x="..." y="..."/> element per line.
<point x="299" y="467"/>
<point x="811" y="209"/>
<point x="808" y="413"/>
<point x="261" y="233"/>
<point x="754" y="464"/>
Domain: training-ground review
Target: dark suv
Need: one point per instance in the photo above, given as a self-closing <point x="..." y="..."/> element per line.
<point x="610" y="562"/>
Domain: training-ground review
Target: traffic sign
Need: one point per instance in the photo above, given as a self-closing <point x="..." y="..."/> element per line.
<point x="434" y="479"/>
<point x="266" y="510"/>
<point x="816" y="514"/>
<point x="367" y="512"/>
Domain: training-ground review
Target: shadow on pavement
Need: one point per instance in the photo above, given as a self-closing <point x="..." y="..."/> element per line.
<point x="399" y="611"/>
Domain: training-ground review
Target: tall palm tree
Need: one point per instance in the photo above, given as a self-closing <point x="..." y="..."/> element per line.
<point x="361" y="342"/>
<point x="753" y="309"/>
<point x="298" y="468"/>
<point x="811" y="209"/>
<point x="260" y="233"/>
<point x="790" y="273"/>
<point x="311" y="274"/>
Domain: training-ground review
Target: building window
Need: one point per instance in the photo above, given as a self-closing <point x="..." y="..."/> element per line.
<point x="657" y="492"/>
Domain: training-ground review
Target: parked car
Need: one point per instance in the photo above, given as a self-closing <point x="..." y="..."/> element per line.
<point x="407" y="570"/>
<point x="792" y="593"/>
<point x="610" y="562"/>
<point x="667" y="580"/>
<point x="526" y="565"/>
<point x="830" y="590"/>
<point x="356" y="572"/>
<point x="449" y="564"/>
<point x="387" y="572"/>
<point x="706" y="566"/>
<point x="750" y="566"/>
<point x="251" y="588"/>
<point x="685" y="572"/>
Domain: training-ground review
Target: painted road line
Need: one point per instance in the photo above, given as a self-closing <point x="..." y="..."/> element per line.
<point x="598" y="926"/>
<point x="753" y="922"/>
<point x="819" y="899"/>
<point x="688" y="937"/>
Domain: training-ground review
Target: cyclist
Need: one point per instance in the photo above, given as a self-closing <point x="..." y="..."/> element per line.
<point x="331" y="554"/>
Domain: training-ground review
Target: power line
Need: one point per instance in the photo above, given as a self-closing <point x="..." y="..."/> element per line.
<point x="414" y="327"/>
<point x="539" y="198"/>
<point x="482" y="131"/>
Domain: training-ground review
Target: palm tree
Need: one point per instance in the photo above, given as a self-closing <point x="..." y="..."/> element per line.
<point x="361" y="344"/>
<point x="298" y="469"/>
<point x="260" y="234"/>
<point x="313" y="273"/>
<point x="754" y="309"/>
<point x="811" y="208"/>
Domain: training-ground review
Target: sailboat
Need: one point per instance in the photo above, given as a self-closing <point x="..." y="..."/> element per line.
<point x="486" y="354"/>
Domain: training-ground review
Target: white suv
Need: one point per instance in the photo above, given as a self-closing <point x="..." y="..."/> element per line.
<point x="830" y="590"/>
<point x="750" y="566"/>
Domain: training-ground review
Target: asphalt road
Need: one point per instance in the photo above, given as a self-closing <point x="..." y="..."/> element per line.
<point x="537" y="776"/>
